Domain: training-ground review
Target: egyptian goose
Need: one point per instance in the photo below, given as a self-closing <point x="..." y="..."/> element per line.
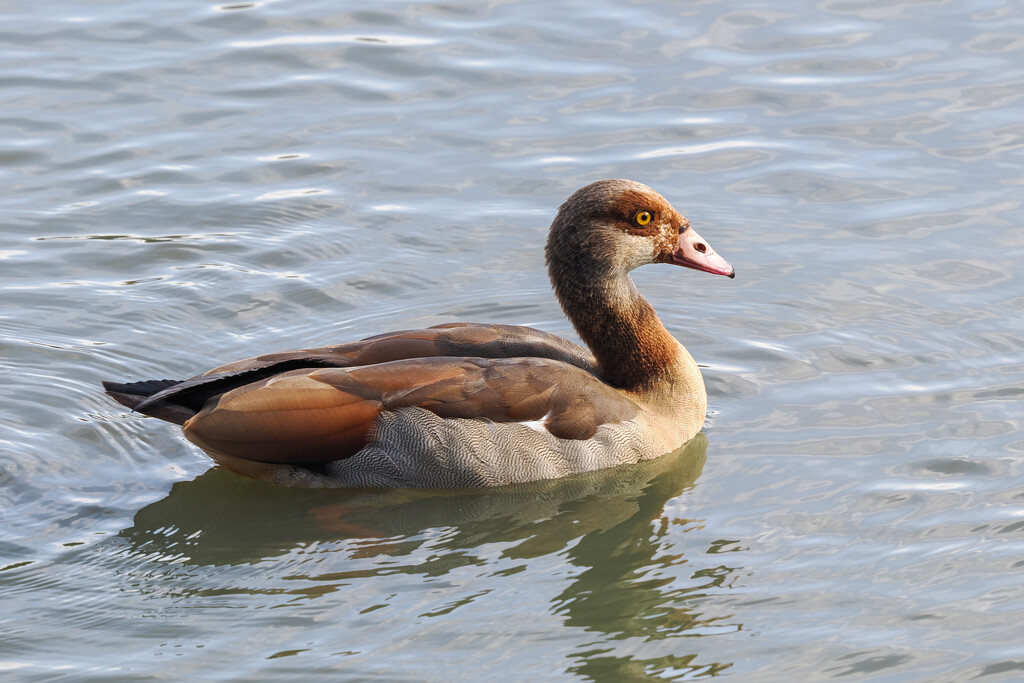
<point x="468" y="404"/>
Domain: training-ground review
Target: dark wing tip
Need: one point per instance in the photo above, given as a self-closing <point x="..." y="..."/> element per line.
<point x="133" y="394"/>
<point x="143" y="389"/>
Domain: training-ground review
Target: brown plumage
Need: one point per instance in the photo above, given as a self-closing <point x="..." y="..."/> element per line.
<point x="472" y="404"/>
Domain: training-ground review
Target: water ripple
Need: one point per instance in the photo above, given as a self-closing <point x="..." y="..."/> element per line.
<point x="187" y="186"/>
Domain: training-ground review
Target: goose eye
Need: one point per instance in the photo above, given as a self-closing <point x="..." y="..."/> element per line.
<point x="643" y="218"/>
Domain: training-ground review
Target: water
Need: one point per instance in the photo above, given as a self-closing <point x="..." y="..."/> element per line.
<point x="185" y="184"/>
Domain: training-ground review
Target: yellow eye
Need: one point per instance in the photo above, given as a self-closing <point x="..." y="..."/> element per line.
<point x="643" y="218"/>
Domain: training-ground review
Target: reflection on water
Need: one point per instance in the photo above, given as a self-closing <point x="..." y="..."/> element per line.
<point x="610" y="528"/>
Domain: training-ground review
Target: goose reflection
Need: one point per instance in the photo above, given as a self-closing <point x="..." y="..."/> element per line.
<point x="609" y="526"/>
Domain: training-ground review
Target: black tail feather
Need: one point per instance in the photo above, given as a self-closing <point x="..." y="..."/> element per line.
<point x="142" y="389"/>
<point x="131" y="394"/>
<point x="178" y="400"/>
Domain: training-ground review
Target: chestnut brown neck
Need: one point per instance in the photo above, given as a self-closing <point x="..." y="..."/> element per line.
<point x="633" y="349"/>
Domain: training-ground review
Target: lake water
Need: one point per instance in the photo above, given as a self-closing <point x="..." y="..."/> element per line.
<point x="184" y="184"/>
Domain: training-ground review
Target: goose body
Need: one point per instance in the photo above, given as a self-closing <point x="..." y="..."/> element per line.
<point x="467" y="404"/>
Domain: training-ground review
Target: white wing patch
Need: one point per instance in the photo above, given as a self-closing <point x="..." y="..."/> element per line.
<point x="538" y="425"/>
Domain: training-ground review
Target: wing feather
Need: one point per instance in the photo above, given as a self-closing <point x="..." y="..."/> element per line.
<point x="287" y="419"/>
<point x="324" y="414"/>
<point x="452" y="340"/>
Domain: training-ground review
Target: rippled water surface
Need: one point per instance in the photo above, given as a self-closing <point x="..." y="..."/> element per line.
<point x="187" y="183"/>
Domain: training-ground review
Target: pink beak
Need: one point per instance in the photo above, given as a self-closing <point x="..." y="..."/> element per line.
<point x="693" y="251"/>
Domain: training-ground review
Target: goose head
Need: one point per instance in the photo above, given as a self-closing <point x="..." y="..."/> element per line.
<point x="608" y="228"/>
